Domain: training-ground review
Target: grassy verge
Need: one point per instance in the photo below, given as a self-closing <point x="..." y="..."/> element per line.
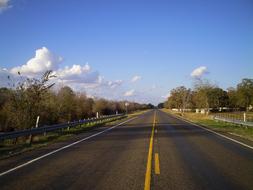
<point x="8" y="148"/>
<point x="218" y="126"/>
<point x="236" y="115"/>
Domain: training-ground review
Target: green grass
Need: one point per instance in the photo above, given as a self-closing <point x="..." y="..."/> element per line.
<point x="219" y="126"/>
<point x="236" y="115"/>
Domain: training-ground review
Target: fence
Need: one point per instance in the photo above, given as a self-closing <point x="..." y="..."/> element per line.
<point x="45" y="129"/>
<point x="239" y="118"/>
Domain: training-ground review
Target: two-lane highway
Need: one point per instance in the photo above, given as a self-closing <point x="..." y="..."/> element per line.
<point x="155" y="150"/>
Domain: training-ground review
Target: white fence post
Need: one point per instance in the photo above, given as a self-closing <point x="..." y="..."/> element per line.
<point x="36" y="126"/>
<point x="244" y="117"/>
<point x="37" y="121"/>
<point x="68" y="125"/>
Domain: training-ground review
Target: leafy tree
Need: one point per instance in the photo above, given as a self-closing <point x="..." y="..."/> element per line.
<point x="4" y="99"/>
<point x="150" y="106"/>
<point x="202" y="95"/>
<point x="245" y="93"/>
<point x="4" y="96"/>
<point x="217" y="97"/>
<point x="84" y="106"/>
<point x="66" y="104"/>
<point x="49" y="113"/>
<point x="101" y="106"/>
<point x="160" y="105"/>
<point x="233" y="98"/>
<point x="179" y="98"/>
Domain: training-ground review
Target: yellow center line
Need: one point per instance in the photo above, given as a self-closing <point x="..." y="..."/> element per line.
<point x="157" y="165"/>
<point x="149" y="162"/>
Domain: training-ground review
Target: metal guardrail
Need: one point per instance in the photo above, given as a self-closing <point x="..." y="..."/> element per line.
<point x="235" y="121"/>
<point x="44" y="129"/>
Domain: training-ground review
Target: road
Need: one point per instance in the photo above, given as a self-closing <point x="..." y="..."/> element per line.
<point x="154" y="150"/>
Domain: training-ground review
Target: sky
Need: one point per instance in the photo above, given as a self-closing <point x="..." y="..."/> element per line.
<point x="135" y="50"/>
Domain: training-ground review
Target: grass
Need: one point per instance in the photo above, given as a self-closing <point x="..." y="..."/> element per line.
<point x="9" y="148"/>
<point x="236" y="115"/>
<point x="219" y="126"/>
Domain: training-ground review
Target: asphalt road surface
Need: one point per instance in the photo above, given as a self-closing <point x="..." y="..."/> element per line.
<point x="154" y="150"/>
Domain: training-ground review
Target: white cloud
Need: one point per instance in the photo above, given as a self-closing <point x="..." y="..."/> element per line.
<point x="129" y="93"/>
<point x="4" y="5"/>
<point x="44" y="60"/>
<point x="166" y="96"/>
<point x="199" y="72"/>
<point x="74" y="70"/>
<point x="101" y="84"/>
<point x="135" y="78"/>
<point x="78" y="74"/>
<point x="80" y="77"/>
<point x="114" y="84"/>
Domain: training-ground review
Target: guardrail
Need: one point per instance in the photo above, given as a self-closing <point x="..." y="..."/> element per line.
<point x="45" y="129"/>
<point x="234" y="121"/>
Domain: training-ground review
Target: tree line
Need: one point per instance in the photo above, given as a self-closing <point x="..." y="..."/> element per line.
<point x="21" y="104"/>
<point x="210" y="97"/>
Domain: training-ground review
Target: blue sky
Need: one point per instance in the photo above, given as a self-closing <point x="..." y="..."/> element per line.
<point x="110" y="42"/>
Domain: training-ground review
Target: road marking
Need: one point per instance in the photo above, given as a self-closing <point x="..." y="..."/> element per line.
<point x="149" y="162"/>
<point x="64" y="147"/>
<point x="216" y="133"/>
<point x="157" y="164"/>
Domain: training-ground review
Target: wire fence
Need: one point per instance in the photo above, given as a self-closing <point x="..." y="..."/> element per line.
<point x="241" y="118"/>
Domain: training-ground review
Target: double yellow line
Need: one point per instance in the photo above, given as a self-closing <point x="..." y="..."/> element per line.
<point x="149" y="162"/>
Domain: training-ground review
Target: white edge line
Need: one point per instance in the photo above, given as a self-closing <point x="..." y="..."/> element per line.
<point x="62" y="148"/>
<point x="224" y="136"/>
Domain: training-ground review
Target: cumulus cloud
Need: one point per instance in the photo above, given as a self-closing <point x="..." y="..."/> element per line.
<point x="78" y="74"/>
<point x="42" y="61"/>
<point x="129" y="93"/>
<point x="135" y="78"/>
<point x="79" y="77"/>
<point x="199" y="72"/>
<point x="45" y="60"/>
<point x="74" y="70"/>
<point x="4" y="5"/>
